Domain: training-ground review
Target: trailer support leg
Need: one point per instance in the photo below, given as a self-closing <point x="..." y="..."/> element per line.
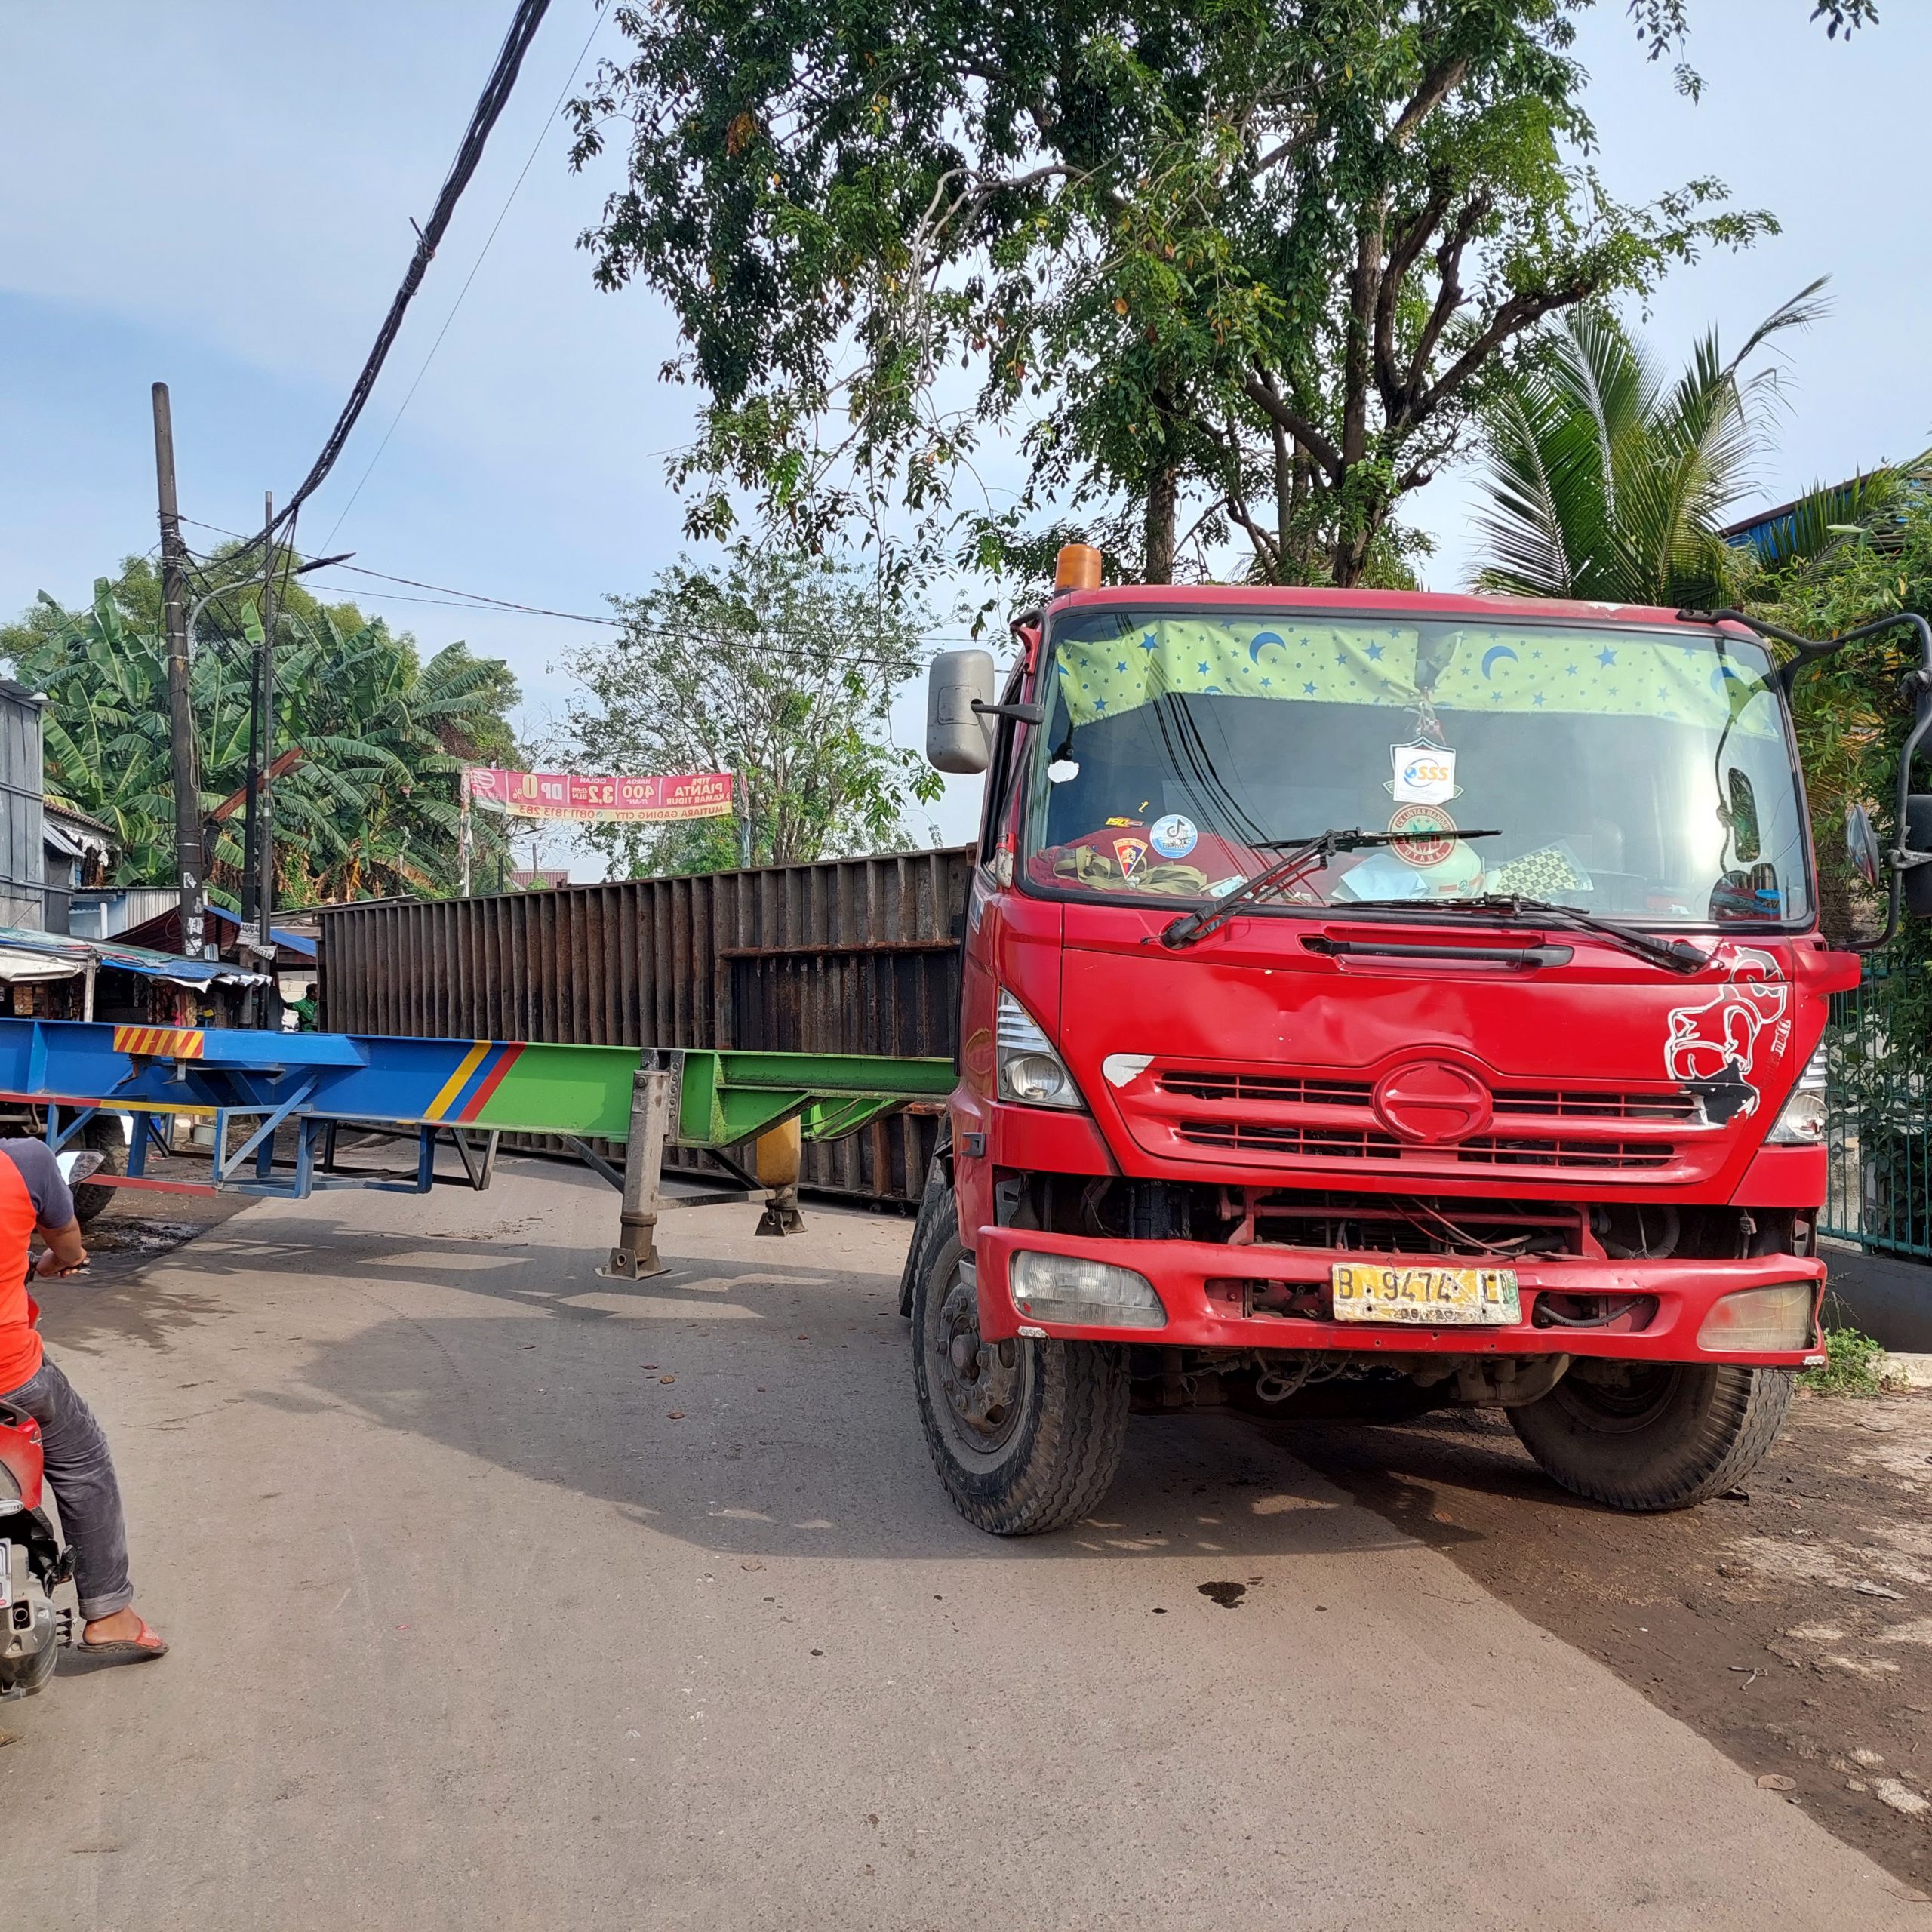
<point x="777" y="1166"/>
<point x="634" y="1258"/>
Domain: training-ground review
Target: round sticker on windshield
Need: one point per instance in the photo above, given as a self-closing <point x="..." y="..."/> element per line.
<point x="1425" y="835"/>
<point x="1173" y="837"/>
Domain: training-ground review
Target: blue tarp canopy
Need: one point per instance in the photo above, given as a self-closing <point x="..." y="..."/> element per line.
<point x="284" y="939"/>
<point x="25" y="955"/>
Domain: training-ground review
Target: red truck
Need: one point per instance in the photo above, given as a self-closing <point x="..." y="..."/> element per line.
<point x="1386" y="1000"/>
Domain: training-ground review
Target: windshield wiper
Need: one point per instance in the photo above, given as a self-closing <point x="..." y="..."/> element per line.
<point x="1299" y="856"/>
<point x="1679" y="954"/>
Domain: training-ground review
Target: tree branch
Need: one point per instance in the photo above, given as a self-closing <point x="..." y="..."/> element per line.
<point x="1282" y="151"/>
<point x="1518" y="313"/>
<point x="1448" y="293"/>
<point x="1402" y="259"/>
<point x="1268" y="400"/>
<point x="1436" y="87"/>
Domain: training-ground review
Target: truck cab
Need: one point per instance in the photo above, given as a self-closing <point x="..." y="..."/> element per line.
<point x="1400" y="998"/>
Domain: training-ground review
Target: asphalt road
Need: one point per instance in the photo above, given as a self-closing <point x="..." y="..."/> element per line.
<point x="503" y="1595"/>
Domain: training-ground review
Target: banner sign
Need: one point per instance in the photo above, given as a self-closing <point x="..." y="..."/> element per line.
<point x="557" y="795"/>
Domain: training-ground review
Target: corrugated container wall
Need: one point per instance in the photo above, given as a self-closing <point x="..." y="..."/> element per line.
<point x="22" y="838"/>
<point x="848" y="955"/>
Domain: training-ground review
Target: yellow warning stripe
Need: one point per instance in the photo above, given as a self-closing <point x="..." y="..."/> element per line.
<point x="458" y="1080"/>
<point x="159" y="1042"/>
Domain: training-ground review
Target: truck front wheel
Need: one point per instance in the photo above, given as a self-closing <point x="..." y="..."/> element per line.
<point x="1647" y="1436"/>
<point x="1026" y="1435"/>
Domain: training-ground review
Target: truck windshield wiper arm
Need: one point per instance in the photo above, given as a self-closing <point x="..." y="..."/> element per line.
<point x="1679" y="954"/>
<point x="1298" y="856"/>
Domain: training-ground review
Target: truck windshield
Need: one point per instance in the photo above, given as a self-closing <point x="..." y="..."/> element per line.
<point x="1645" y="774"/>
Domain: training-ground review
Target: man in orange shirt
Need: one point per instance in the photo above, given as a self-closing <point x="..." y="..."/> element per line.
<point x="35" y="1199"/>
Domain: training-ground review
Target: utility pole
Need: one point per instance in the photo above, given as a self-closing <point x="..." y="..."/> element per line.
<point x="261" y="772"/>
<point x="180" y="704"/>
<point x="465" y="831"/>
<point x="265" y="799"/>
<point x="251" y="797"/>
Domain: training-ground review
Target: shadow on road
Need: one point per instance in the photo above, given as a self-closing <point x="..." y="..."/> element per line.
<point x="741" y="1407"/>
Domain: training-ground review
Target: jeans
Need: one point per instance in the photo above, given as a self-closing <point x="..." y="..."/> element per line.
<point x="80" y="1471"/>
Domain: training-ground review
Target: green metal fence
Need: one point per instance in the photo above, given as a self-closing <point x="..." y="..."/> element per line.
<point x="1878" y="1132"/>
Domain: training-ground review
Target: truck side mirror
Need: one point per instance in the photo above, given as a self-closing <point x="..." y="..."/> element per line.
<point x="1915" y="875"/>
<point x="959" y="738"/>
<point x="1862" y="846"/>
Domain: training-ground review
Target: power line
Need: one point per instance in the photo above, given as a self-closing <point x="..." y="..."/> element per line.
<point x="536" y="148"/>
<point x="452" y="598"/>
<point x="489" y="105"/>
<point x="463" y="601"/>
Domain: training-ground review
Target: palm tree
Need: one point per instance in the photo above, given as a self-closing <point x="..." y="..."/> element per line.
<point x="1607" y="481"/>
<point x="370" y="807"/>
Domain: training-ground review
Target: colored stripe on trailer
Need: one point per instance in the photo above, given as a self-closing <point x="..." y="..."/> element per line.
<point x="446" y="1097"/>
<point x="159" y="1042"/>
<point x="507" y="1057"/>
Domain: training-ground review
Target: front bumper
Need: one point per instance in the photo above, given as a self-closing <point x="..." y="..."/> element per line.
<point x="1200" y="1318"/>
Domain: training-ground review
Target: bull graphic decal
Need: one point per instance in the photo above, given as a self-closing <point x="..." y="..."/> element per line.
<point x="1710" y="1048"/>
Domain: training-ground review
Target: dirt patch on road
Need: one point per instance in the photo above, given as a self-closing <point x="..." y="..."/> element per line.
<point x="140" y="1223"/>
<point x="1790" y="1622"/>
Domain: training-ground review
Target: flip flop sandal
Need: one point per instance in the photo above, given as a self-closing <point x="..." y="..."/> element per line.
<point x="125" y="1650"/>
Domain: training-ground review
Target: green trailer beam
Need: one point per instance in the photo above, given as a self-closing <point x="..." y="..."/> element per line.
<point x="727" y="1095"/>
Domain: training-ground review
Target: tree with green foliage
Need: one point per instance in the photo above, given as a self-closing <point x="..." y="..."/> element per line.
<point x="370" y="808"/>
<point x="779" y="669"/>
<point x="1866" y="552"/>
<point x="1244" y="266"/>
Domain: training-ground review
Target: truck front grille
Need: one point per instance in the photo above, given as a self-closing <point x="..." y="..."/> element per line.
<point x="1665" y="1103"/>
<point x="1311" y="1143"/>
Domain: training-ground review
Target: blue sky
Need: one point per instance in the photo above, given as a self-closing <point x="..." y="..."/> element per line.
<point x="218" y="194"/>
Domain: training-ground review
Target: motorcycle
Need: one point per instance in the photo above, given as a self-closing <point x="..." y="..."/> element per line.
<point x="32" y="1563"/>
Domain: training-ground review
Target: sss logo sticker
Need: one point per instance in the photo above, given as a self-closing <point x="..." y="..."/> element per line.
<point x="1173" y="837"/>
<point x="1424" y="773"/>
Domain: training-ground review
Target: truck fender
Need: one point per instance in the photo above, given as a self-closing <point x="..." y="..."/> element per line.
<point x="938" y="1220"/>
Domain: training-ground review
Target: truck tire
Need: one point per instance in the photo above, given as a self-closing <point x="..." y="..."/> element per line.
<point x="1026" y="1435"/>
<point x="104" y="1138"/>
<point x="1651" y="1436"/>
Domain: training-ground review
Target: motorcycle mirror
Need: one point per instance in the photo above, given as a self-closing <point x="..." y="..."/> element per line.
<point x="1862" y="846"/>
<point x="76" y="1167"/>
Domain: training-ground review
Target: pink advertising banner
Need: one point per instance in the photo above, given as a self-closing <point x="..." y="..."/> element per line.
<point x="559" y="794"/>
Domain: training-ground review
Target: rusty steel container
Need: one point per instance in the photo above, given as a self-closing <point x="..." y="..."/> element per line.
<point x="845" y="956"/>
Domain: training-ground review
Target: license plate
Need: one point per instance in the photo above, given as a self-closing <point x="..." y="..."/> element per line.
<point x="6" y="1575"/>
<point x="1425" y="1297"/>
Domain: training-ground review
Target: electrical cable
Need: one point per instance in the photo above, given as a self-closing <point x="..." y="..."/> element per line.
<point x="530" y="162"/>
<point x="450" y="597"/>
<point x="489" y="105"/>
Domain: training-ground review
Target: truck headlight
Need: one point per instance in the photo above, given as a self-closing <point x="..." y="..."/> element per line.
<point x="1065" y="1287"/>
<point x="1778" y="1317"/>
<point x="1030" y="1071"/>
<point x="1802" y="1122"/>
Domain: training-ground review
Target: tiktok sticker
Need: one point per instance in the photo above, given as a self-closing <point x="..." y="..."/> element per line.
<point x="1173" y="837"/>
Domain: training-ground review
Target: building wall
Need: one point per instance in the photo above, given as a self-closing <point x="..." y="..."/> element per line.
<point x="23" y="850"/>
